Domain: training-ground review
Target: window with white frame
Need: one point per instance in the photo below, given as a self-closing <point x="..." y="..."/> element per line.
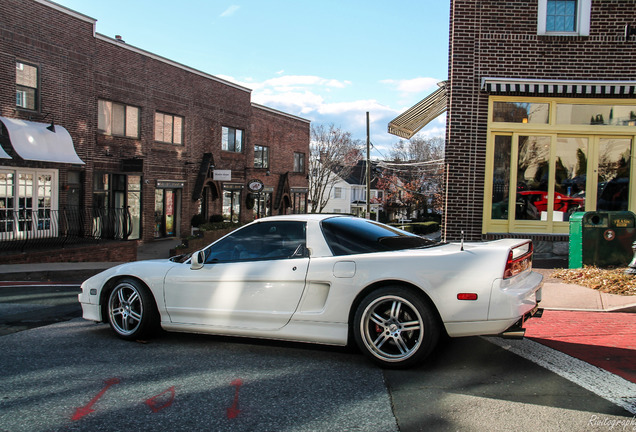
<point x="28" y="203"/>
<point x="232" y="139"/>
<point x="564" y="17"/>
<point x="168" y="128"/>
<point x="117" y="119"/>
<point x="26" y="86"/>
<point x="337" y="192"/>
<point x="261" y="156"/>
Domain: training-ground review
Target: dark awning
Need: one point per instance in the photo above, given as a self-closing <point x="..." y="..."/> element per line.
<point x="419" y="115"/>
<point x="558" y="87"/>
<point x="37" y="142"/>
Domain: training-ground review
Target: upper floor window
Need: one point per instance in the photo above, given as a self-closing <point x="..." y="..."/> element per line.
<point x="299" y="162"/>
<point x="168" y="128"/>
<point x="337" y="192"/>
<point x="117" y="119"/>
<point x="261" y="156"/>
<point x="564" y="17"/>
<point x="232" y="140"/>
<point x="26" y="86"/>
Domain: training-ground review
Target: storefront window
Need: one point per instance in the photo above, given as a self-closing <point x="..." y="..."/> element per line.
<point x="533" y="171"/>
<point x="134" y="206"/>
<point x="570" y="177"/>
<point x="613" y="174"/>
<point x="501" y="177"/>
<point x="28" y="203"/>
<point x="521" y="112"/>
<point x="231" y="205"/>
<point x="299" y="204"/>
<point x="596" y="115"/>
<point x="573" y="163"/>
<point x="263" y="204"/>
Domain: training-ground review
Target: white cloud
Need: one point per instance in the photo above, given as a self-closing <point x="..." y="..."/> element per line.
<point x="413" y="86"/>
<point x="321" y="100"/>
<point x="230" y="11"/>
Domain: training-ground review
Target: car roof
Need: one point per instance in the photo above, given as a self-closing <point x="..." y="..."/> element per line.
<point x="303" y="217"/>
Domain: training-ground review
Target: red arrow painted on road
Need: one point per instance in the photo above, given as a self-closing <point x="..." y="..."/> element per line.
<point x="233" y="411"/>
<point x="88" y="408"/>
<point x="155" y="402"/>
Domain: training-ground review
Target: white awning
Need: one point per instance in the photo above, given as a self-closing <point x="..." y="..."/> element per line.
<point x="558" y="87"/>
<point x="3" y="154"/>
<point x="37" y="142"/>
<point x="419" y="115"/>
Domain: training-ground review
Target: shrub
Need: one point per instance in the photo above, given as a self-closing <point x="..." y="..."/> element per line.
<point x="197" y="220"/>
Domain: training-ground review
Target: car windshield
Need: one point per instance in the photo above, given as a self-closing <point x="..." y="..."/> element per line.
<point x="348" y="236"/>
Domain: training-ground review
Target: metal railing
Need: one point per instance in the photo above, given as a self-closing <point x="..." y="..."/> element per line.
<point x="35" y="229"/>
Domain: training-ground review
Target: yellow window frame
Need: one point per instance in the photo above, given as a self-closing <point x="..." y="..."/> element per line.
<point x="593" y="133"/>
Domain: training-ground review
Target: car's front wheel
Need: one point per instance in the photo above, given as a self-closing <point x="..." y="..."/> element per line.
<point x="395" y="327"/>
<point x="131" y="310"/>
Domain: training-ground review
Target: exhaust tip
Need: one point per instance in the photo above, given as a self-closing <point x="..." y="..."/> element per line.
<point x="514" y="334"/>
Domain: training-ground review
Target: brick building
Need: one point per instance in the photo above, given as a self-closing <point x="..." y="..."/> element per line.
<point x="541" y="122"/>
<point x="105" y="138"/>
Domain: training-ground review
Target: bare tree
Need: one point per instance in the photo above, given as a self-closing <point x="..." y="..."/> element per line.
<point x="333" y="155"/>
<point x="418" y="150"/>
<point x="412" y="178"/>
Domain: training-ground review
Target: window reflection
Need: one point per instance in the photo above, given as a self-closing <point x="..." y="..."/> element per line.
<point x="521" y="112"/>
<point x="533" y="172"/>
<point x="501" y="177"/>
<point x="596" y="115"/>
<point x="570" y="177"/>
<point x="613" y="174"/>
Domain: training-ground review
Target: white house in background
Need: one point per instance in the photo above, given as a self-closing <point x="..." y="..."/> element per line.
<point x="349" y="195"/>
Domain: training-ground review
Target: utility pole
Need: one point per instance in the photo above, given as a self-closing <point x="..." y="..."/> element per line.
<point x="368" y="170"/>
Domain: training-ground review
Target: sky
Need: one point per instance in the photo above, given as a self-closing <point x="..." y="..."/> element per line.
<point x="328" y="61"/>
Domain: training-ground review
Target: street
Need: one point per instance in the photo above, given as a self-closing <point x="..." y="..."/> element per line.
<point x="76" y="375"/>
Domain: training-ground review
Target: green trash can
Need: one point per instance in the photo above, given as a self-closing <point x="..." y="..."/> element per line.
<point x="601" y="239"/>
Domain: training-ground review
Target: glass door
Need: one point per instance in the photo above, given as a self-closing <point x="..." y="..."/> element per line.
<point x="614" y="173"/>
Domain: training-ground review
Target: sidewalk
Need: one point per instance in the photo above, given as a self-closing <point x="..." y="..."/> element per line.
<point x="556" y="294"/>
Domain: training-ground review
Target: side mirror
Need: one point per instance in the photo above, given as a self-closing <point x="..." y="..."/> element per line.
<point x="197" y="260"/>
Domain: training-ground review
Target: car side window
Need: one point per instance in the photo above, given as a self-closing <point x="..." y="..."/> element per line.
<point x="260" y="241"/>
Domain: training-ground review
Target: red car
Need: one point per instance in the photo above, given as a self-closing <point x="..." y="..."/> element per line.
<point x="539" y="200"/>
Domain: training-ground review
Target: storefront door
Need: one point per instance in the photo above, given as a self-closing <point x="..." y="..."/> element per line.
<point x="166" y="213"/>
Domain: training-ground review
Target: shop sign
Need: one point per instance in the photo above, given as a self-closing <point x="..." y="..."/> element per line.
<point x="222" y="175"/>
<point x="255" y="185"/>
<point x="170" y="184"/>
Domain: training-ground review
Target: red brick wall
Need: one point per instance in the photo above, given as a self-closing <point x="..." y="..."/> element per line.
<point x="99" y="252"/>
<point x="284" y="135"/>
<point x="498" y="38"/>
<point x="129" y="77"/>
<point x="77" y="68"/>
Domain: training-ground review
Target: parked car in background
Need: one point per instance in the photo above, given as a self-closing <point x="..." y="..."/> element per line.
<point x="325" y="279"/>
<point x="530" y="204"/>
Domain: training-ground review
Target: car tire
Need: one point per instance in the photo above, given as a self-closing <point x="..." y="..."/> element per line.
<point x="395" y="327"/>
<point x="132" y="312"/>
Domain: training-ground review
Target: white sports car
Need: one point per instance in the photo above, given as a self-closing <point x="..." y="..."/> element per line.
<point x="326" y="279"/>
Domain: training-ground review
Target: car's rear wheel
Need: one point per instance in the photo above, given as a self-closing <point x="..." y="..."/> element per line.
<point x="132" y="313"/>
<point x="396" y="327"/>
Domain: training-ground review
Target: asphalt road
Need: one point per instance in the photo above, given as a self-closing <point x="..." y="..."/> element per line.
<point x="34" y="304"/>
<point x="76" y="376"/>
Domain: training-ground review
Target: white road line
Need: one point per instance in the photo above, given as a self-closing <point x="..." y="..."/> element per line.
<point x="610" y="387"/>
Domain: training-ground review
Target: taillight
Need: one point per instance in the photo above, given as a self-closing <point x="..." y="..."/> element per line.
<point x="519" y="260"/>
